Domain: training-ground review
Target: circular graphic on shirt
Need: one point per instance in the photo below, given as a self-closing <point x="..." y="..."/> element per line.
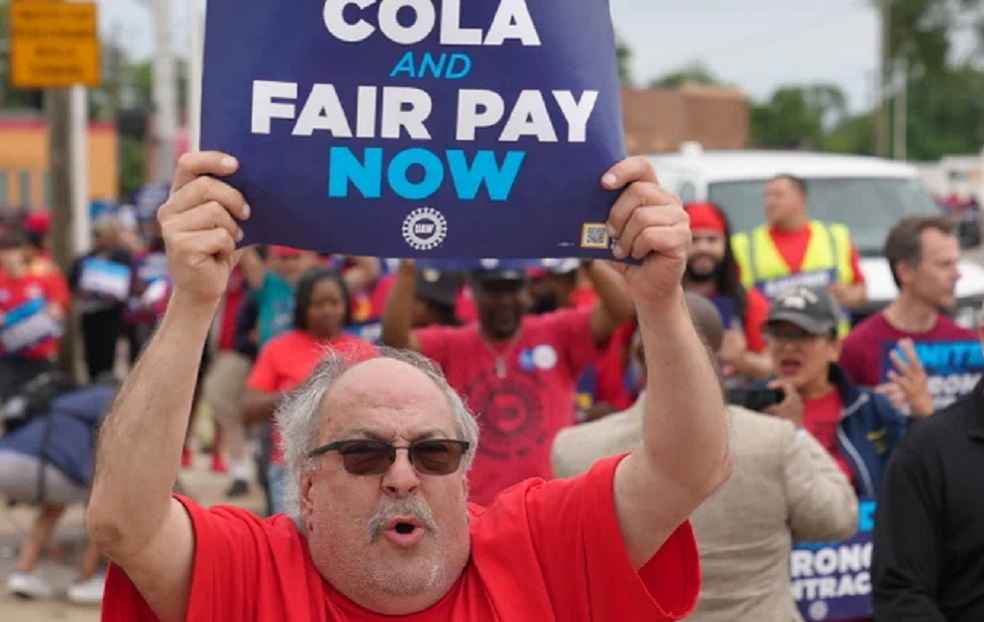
<point x="818" y="610"/>
<point x="544" y="357"/>
<point x="510" y="415"/>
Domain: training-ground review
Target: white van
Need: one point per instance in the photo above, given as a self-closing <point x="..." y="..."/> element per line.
<point x="869" y="195"/>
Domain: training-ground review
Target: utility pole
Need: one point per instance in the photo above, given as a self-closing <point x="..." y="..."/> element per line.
<point x="882" y="132"/>
<point x="901" y="87"/>
<point x="195" y="63"/>
<point x="164" y="93"/>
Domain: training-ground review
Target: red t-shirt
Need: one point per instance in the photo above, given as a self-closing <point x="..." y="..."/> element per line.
<point x="821" y="416"/>
<point x="756" y="313"/>
<point x="865" y="355"/>
<point x="792" y="246"/>
<point x="544" y="551"/>
<point x="287" y="360"/>
<point x="523" y="392"/>
<point x="56" y="284"/>
<point x="32" y="308"/>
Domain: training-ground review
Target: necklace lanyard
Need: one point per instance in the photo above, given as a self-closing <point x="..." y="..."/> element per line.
<point x="502" y="358"/>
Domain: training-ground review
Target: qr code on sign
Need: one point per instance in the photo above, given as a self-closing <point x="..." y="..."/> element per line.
<point x="594" y="235"/>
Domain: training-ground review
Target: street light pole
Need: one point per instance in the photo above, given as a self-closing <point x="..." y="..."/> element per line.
<point x="164" y="94"/>
<point x="882" y="132"/>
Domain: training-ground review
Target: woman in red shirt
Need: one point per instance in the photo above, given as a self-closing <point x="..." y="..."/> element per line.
<point x="322" y="311"/>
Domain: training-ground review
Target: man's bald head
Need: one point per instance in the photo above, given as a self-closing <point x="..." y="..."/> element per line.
<point x="707" y="320"/>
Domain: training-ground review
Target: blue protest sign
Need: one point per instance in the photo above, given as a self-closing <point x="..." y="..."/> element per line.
<point x="28" y="325"/>
<point x="417" y="128"/>
<point x="953" y="368"/>
<point x="105" y="278"/>
<point x="832" y="581"/>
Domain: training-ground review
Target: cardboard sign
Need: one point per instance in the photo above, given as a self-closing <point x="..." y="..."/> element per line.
<point x="832" y="581"/>
<point x="417" y="128"/>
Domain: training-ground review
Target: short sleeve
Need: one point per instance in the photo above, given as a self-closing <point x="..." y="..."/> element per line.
<point x="241" y="563"/>
<point x="436" y="343"/>
<point x="756" y="313"/>
<point x="856" y="266"/>
<point x="263" y="376"/>
<point x="578" y="539"/>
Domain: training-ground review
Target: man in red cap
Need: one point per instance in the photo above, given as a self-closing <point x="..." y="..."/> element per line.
<point x="713" y="272"/>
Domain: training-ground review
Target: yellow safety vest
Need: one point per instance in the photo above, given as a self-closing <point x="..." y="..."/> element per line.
<point x="827" y="261"/>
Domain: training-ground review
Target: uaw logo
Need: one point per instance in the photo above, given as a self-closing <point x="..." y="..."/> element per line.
<point x="511" y="415"/>
<point x="425" y="229"/>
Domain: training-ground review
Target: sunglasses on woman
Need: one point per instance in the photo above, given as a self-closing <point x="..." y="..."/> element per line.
<point x="367" y="457"/>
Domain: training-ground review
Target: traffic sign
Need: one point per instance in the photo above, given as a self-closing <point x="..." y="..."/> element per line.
<point x="54" y="44"/>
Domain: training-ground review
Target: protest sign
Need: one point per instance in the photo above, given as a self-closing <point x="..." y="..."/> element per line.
<point x="832" y="581"/>
<point x="417" y="128"/>
<point x="953" y="368"/>
<point x="106" y="279"/>
<point x="28" y="325"/>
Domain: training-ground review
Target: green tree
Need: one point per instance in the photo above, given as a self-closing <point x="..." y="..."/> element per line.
<point x="798" y="117"/>
<point x="623" y="55"/>
<point x="694" y="73"/>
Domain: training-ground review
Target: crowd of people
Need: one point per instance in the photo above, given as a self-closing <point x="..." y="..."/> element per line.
<point x="565" y="365"/>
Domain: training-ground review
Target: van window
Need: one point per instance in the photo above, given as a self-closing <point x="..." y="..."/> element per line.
<point x="868" y="206"/>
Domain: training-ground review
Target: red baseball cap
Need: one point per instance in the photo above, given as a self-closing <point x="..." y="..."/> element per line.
<point x="284" y="251"/>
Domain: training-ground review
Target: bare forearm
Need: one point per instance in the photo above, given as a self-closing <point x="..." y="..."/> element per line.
<point x="398" y="317"/>
<point x="685" y="432"/>
<point x="259" y="406"/>
<point x="140" y="443"/>
<point x="616" y="306"/>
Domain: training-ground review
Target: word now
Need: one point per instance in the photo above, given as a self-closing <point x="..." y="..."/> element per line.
<point x="511" y="21"/>
<point x="404" y="109"/>
<point x="365" y="174"/>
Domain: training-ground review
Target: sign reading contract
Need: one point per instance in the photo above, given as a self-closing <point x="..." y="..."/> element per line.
<point x="418" y="128"/>
<point x="54" y="44"/>
<point x="832" y="581"/>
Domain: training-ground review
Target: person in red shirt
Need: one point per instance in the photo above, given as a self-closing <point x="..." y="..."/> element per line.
<point x="857" y="427"/>
<point x="31" y="317"/>
<point x="923" y="253"/>
<point x="791" y="250"/>
<point x="380" y="527"/>
<point x="321" y="312"/>
<point x="713" y="273"/>
<point x="517" y="370"/>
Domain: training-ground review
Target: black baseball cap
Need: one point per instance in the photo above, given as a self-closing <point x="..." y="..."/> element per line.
<point x="813" y="310"/>
<point x="438" y="287"/>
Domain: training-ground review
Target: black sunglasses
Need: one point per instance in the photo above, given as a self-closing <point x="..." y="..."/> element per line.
<point x="367" y="457"/>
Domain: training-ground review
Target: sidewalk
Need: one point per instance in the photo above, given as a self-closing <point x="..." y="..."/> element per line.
<point x="60" y="563"/>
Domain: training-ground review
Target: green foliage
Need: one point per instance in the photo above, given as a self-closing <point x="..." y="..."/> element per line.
<point x="797" y="117"/>
<point x="131" y="165"/>
<point x="694" y="73"/>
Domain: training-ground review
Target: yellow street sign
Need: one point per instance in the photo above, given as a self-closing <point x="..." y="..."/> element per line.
<point x="54" y="43"/>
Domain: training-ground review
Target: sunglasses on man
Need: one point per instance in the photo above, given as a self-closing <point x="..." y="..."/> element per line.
<point x="368" y="457"/>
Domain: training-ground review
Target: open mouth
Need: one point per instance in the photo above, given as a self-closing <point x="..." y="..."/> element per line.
<point x="789" y="367"/>
<point x="404" y="532"/>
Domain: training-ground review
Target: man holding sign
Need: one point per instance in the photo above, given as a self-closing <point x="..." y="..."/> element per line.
<point x="378" y="453"/>
<point x="929" y="544"/>
<point x="417" y="128"/>
<point x="916" y="355"/>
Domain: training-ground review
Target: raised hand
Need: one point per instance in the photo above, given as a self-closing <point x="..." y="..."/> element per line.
<point x="199" y="226"/>
<point x="647" y="224"/>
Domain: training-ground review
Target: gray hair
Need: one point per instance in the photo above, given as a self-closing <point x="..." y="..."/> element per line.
<point x="299" y="416"/>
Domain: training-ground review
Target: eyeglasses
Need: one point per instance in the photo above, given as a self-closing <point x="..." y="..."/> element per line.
<point x="367" y="457"/>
